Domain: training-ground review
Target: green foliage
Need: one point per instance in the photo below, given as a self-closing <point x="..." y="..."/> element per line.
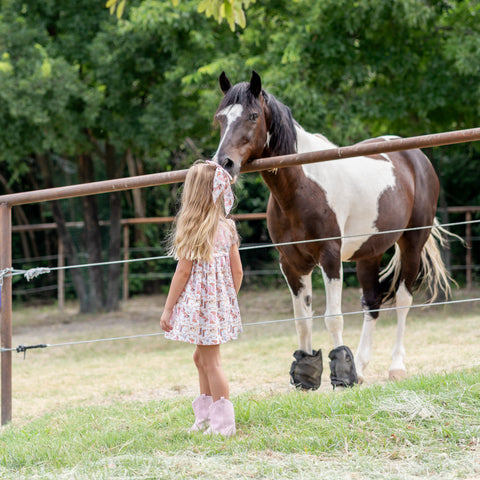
<point x="230" y="10"/>
<point x="76" y="80"/>
<point x="365" y="68"/>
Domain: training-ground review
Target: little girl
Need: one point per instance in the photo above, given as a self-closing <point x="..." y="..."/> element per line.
<point x="201" y="306"/>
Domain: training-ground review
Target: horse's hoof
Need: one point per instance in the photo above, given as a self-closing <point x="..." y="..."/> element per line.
<point x="396" y="375"/>
<point x="306" y="370"/>
<point x="342" y="367"/>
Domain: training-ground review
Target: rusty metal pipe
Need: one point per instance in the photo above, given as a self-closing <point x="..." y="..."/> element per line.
<point x="6" y="311"/>
<point x="360" y="149"/>
<point x="94" y="188"/>
<point x="164" y="178"/>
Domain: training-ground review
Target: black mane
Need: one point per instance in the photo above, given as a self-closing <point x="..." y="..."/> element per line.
<point x="283" y="136"/>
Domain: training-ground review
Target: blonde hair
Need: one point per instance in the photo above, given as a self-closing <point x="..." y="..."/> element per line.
<point x="197" y="220"/>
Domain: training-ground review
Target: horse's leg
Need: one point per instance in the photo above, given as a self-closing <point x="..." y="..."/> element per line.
<point x="403" y="301"/>
<point x="301" y="290"/>
<point x="342" y="364"/>
<point x="302" y="310"/>
<point x="411" y="245"/>
<point x="367" y="274"/>
<point x="332" y="272"/>
<point x="333" y="310"/>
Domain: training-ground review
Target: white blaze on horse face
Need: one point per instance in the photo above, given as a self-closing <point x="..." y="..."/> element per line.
<point x="232" y="112"/>
<point x="353" y="187"/>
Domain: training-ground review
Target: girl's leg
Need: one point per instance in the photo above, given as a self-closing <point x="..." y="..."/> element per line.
<point x="201" y="405"/>
<point x="221" y="414"/>
<point x="202" y="375"/>
<point x="210" y="368"/>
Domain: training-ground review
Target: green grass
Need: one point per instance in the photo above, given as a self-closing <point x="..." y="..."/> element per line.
<point x="425" y="426"/>
<point x="121" y="410"/>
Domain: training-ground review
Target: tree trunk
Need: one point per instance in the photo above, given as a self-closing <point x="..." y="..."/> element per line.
<point x="70" y="251"/>
<point x="135" y="168"/>
<point x="22" y="219"/>
<point x="93" y="237"/>
<point x="133" y="171"/>
<point x="72" y="258"/>
<point x="114" y="269"/>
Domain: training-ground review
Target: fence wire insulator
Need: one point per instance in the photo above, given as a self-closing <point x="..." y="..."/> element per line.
<point x="24" y="348"/>
<point x="35" y="272"/>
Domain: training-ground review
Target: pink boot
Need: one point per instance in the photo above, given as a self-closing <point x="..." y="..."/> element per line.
<point x="222" y="418"/>
<point x="201" y="406"/>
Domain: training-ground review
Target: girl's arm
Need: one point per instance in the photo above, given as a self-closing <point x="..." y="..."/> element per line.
<point x="179" y="280"/>
<point x="236" y="267"/>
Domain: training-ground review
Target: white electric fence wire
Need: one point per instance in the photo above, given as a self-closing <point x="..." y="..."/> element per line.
<point x="34" y="272"/>
<point x="9" y="272"/>
<point x="264" y="322"/>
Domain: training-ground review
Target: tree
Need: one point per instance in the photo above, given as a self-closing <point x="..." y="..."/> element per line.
<point x="44" y="103"/>
<point x="77" y="86"/>
<point x="366" y="68"/>
<point x="87" y="96"/>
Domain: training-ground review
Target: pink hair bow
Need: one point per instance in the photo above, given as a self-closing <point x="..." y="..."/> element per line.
<point x="222" y="184"/>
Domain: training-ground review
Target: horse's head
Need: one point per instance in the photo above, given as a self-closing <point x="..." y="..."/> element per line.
<point x="242" y="115"/>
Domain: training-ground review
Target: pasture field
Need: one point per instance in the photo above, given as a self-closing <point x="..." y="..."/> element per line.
<point x="120" y="409"/>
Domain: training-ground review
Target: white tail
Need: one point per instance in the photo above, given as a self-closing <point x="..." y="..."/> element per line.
<point x="433" y="273"/>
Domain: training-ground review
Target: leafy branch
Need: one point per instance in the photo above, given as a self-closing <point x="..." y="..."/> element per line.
<point x="233" y="11"/>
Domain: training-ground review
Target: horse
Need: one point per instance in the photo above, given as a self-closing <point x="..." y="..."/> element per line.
<point x="347" y="202"/>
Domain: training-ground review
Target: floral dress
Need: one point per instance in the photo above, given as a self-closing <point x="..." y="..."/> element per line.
<point x="207" y="311"/>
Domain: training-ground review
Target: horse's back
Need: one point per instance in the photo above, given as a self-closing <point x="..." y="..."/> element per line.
<point x="374" y="193"/>
<point x="414" y="167"/>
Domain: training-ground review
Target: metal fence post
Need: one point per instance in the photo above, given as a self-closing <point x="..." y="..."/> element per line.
<point x="6" y="310"/>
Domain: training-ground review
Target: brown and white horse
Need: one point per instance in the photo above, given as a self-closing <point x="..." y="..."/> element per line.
<point x="340" y="198"/>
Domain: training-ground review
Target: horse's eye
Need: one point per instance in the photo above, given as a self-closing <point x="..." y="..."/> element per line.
<point x="253" y="117"/>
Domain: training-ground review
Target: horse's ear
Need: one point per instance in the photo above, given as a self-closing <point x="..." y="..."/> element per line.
<point x="255" y="84"/>
<point x="224" y="82"/>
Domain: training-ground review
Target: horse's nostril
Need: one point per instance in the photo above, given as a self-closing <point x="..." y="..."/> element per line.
<point x="227" y="164"/>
